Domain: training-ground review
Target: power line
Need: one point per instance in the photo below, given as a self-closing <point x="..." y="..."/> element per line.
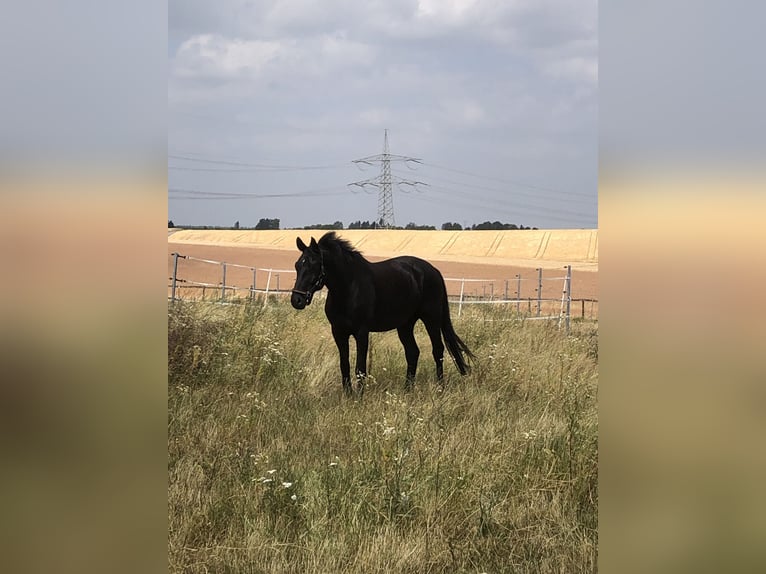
<point x="232" y="170"/>
<point x="194" y="194"/>
<point x="506" y="181"/>
<point x="506" y="191"/>
<point x="384" y="183"/>
<point x="254" y="166"/>
<point x="474" y="197"/>
<point x="495" y="209"/>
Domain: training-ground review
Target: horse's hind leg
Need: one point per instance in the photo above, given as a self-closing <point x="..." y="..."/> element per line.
<point x="411" y="351"/>
<point x="435" y="334"/>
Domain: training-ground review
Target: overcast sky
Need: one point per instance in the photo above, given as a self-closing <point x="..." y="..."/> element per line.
<point x="498" y="98"/>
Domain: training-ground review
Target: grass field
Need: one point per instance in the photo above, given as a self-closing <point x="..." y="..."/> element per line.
<point x="272" y="469"/>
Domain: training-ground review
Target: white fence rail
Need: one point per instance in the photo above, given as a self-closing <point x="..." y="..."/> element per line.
<point x="253" y="282"/>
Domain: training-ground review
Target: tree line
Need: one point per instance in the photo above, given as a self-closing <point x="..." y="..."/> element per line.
<point x="273" y="223"/>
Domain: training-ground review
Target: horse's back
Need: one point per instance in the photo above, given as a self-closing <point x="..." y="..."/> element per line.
<point x="406" y="287"/>
<point x="405" y="270"/>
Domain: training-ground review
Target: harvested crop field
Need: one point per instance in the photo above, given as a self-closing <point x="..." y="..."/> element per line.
<point x="492" y="277"/>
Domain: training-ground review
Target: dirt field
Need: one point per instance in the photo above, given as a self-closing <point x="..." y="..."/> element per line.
<point x="493" y="279"/>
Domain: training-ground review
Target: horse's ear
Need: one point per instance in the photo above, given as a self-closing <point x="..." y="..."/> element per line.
<point x="300" y="244"/>
<point x="313" y="245"/>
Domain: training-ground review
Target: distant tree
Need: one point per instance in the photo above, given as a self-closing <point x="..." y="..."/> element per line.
<point x="265" y="223"/>
<point x="420" y="227"/>
<point x="170" y="223"/>
<point x="497" y="225"/>
<point x="449" y="226"/>
<point x="336" y="225"/>
<point x="361" y="225"/>
<point x="236" y="225"/>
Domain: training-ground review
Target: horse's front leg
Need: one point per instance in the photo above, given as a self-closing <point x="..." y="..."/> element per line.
<point x="341" y="340"/>
<point x="362" y="344"/>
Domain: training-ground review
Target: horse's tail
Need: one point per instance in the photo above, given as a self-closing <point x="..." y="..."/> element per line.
<point x="459" y="351"/>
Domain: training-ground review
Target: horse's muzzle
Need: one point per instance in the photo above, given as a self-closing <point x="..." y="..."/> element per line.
<point x="300" y="299"/>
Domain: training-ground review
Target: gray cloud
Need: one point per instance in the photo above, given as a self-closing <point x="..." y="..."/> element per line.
<point x="504" y="90"/>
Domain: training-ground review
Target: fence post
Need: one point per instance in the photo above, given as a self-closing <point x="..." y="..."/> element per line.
<point x="539" y="289"/>
<point x="266" y="295"/>
<point x="277" y="282"/>
<point x="569" y="295"/>
<point x="175" y="274"/>
<point x="506" y="289"/>
<point x="492" y="291"/>
<point x="252" y="294"/>
<point x="518" y="292"/>
<point x="223" y="283"/>
<point x="460" y="304"/>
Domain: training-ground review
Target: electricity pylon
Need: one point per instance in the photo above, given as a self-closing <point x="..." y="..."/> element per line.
<point x="385" y="181"/>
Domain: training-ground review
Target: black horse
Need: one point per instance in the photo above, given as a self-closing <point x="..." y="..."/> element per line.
<point x="364" y="297"/>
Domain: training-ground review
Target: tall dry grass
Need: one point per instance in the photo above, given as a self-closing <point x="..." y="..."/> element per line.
<point x="272" y="469"/>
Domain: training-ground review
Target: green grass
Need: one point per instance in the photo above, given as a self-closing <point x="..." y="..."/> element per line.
<point x="272" y="469"/>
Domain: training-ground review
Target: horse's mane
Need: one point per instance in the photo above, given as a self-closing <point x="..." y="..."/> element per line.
<point x="332" y="242"/>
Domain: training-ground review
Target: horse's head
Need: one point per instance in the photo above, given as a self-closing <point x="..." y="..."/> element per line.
<point x="309" y="271"/>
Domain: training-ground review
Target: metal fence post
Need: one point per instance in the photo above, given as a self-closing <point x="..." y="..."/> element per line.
<point x="173" y="279"/>
<point x="252" y="294"/>
<point x="539" y="289"/>
<point x="506" y="289"/>
<point x="569" y="295"/>
<point x="277" y="283"/>
<point x="223" y="282"/>
<point x="460" y="304"/>
<point x="518" y="292"/>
